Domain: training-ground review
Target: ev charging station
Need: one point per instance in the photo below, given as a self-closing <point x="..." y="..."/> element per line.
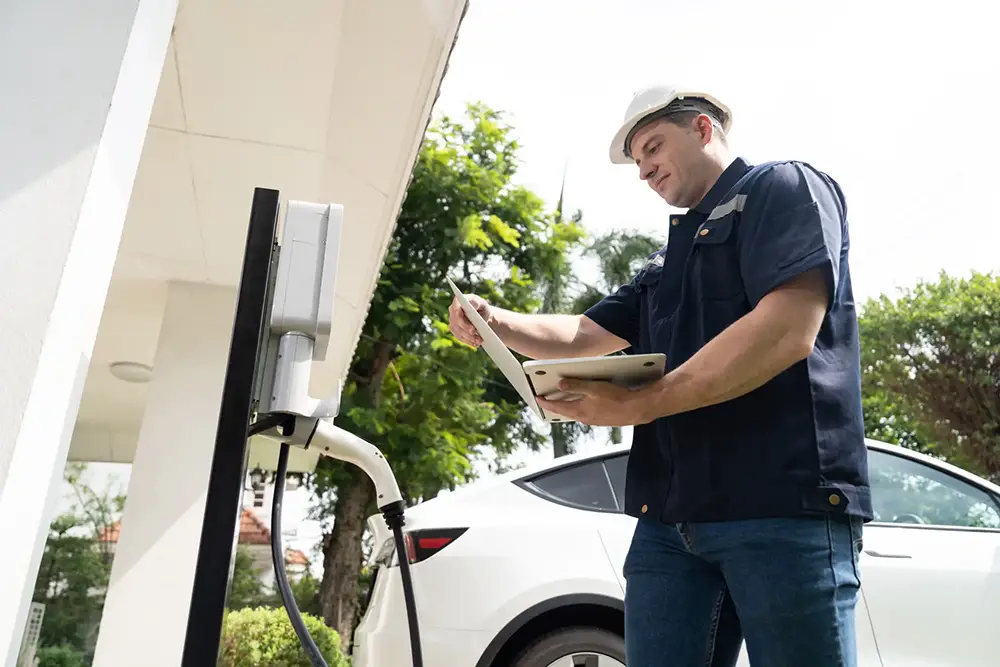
<point x="284" y="315"/>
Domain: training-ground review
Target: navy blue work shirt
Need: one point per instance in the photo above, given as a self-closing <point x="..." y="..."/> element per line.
<point x="794" y="446"/>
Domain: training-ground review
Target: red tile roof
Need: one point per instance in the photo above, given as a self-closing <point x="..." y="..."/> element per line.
<point x="295" y="557"/>
<point x="252" y="531"/>
<point x="110" y="533"/>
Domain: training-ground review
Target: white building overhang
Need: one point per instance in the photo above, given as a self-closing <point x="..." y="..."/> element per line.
<point x="323" y="100"/>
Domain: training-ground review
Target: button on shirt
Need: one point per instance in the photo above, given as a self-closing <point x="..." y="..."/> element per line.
<point x="793" y="446"/>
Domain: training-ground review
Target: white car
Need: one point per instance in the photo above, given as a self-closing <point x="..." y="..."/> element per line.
<point x="525" y="569"/>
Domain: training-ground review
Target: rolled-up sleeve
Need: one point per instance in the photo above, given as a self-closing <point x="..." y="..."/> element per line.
<point x="793" y="222"/>
<point x="618" y="312"/>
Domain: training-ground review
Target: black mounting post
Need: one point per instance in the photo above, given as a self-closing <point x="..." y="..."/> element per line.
<point x="220" y="527"/>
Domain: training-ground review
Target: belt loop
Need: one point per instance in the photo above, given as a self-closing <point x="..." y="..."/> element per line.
<point x="682" y="528"/>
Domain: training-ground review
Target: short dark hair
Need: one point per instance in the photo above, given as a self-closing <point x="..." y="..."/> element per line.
<point x="682" y="113"/>
<point x="685" y="118"/>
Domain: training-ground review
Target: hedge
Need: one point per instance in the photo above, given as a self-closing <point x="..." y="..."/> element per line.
<point x="265" y="636"/>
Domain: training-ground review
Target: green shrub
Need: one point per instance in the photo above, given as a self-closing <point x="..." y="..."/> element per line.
<point x="59" y="656"/>
<point x="265" y="636"/>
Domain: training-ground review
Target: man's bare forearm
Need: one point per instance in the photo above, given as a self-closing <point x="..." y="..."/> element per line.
<point x="552" y="336"/>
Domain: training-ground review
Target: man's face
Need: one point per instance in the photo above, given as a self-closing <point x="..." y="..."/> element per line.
<point x="671" y="159"/>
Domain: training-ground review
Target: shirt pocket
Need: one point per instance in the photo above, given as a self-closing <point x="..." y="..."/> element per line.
<point x="657" y="309"/>
<point x="650" y="278"/>
<point x="648" y="285"/>
<point x="716" y="260"/>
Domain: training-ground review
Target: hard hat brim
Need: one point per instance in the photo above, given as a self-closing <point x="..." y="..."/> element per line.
<point x="617" y="151"/>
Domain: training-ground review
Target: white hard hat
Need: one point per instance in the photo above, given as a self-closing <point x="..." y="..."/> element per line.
<point x="650" y="100"/>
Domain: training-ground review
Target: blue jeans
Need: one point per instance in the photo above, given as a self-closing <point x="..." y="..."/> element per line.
<point x="788" y="586"/>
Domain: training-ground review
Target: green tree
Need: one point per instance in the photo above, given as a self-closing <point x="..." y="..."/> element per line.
<point x="432" y="405"/>
<point x="76" y="565"/>
<point x="60" y="656"/>
<point x="887" y="418"/>
<point x="246" y="588"/>
<point x="71" y="580"/>
<point x="931" y="370"/>
<point x="305" y="590"/>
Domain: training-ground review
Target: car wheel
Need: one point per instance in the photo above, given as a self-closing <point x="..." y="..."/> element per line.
<point x="575" y="647"/>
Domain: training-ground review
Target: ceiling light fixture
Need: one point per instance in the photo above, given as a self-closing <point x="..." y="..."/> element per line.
<point x="131" y="371"/>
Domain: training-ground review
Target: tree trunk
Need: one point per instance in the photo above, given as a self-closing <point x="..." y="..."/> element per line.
<point x="342" y="558"/>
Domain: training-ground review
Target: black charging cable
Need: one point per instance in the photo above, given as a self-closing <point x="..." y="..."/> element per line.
<point x="393" y="515"/>
<point x="266" y="423"/>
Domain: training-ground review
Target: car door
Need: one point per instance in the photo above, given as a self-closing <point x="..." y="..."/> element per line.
<point x="616" y="531"/>
<point x="594" y="486"/>
<point x="930" y="565"/>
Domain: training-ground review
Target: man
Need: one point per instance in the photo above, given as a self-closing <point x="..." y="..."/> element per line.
<point x="748" y="468"/>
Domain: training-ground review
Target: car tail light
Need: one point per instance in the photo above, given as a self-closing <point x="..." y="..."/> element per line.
<point x="422" y="544"/>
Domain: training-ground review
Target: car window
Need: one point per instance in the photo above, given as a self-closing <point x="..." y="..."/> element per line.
<point x="583" y="485"/>
<point x="906" y="491"/>
<point x="616" y="466"/>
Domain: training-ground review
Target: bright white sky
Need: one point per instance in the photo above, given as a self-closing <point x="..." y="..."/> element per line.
<point x="896" y="100"/>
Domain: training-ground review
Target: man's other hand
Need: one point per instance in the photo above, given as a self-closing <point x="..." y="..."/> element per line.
<point x="600" y="404"/>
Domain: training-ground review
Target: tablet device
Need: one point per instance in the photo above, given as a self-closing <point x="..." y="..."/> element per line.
<point x="625" y="370"/>
<point x="629" y="371"/>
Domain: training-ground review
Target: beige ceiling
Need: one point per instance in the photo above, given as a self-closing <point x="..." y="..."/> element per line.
<point x="324" y="100"/>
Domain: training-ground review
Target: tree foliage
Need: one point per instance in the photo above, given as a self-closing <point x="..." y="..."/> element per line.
<point x="265" y="636"/>
<point x="70" y="572"/>
<point x="931" y="370"/>
<point x="411" y="383"/>
<point x="75" y="568"/>
<point x="434" y="406"/>
<point x="247" y="589"/>
<point x="60" y="656"/>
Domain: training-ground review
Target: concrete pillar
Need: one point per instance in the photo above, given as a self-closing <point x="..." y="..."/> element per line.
<point x="77" y="80"/>
<point x="145" y="614"/>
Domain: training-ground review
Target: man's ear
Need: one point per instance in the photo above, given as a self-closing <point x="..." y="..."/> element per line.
<point x="703" y="125"/>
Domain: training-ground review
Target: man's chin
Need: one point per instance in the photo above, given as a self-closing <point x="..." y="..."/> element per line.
<point x="665" y="194"/>
<point x="675" y="199"/>
<point x="667" y="197"/>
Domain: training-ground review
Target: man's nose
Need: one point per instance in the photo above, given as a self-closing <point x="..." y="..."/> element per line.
<point x="646" y="171"/>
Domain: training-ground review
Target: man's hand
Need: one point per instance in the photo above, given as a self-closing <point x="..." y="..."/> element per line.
<point x="535" y="335"/>
<point x="602" y="404"/>
<point x="460" y="324"/>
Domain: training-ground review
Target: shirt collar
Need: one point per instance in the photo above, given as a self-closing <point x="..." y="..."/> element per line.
<point x="734" y="172"/>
